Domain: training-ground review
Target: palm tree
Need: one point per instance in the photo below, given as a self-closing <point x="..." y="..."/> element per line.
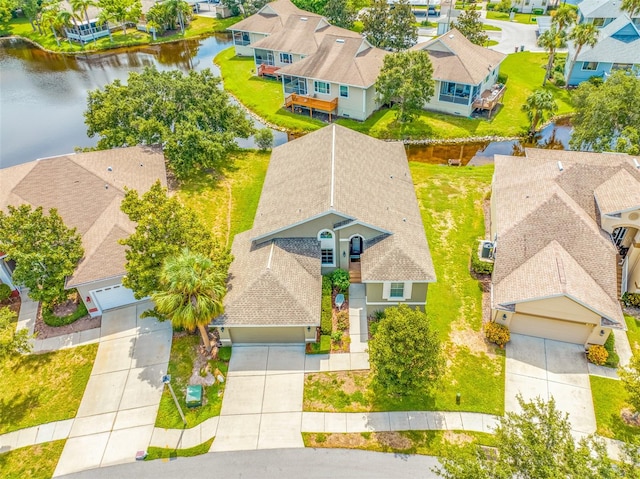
<point x="83" y="7"/>
<point x="632" y="7"/>
<point x="564" y="16"/>
<point x="582" y="34"/>
<point x="64" y="19"/>
<point x="551" y="40"/>
<point x="193" y="289"/>
<point x="51" y="17"/>
<point x="538" y="105"/>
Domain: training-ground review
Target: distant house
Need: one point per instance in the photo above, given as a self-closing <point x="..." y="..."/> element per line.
<point x="565" y="226"/>
<point x="618" y="48"/>
<point x="465" y="74"/>
<point x="602" y="12"/>
<point x="323" y="222"/>
<point x="87" y="189"/>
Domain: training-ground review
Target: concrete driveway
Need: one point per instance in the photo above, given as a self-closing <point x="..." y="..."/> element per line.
<point x="546" y="368"/>
<point x="262" y="405"/>
<point x="120" y="403"/>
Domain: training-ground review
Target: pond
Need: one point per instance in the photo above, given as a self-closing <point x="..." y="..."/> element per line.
<point x="43" y="95"/>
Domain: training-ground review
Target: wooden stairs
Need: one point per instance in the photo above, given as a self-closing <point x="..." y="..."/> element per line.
<point x="355" y="275"/>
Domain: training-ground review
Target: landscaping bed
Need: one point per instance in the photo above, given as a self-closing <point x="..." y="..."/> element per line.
<point x="72" y="321"/>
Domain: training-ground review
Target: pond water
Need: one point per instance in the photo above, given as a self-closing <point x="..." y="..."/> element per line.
<point x="43" y="96"/>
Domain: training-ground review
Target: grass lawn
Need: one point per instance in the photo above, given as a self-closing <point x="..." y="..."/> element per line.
<point x="609" y="398"/>
<point x="524" y="18"/>
<point x="32" y="462"/>
<point x="633" y="331"/>
<point x="199" y="27"/>
<point x="162" y="453"/>
<point x="450" y="200"/>
<point x="183" y="353"/>
<point x="209" y="196"/>
<point x="41" y="388"/>
<point x="430" y="443"/>
<point x="525" y="74"/>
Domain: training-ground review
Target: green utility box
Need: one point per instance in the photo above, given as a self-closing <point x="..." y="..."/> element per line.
<point x="194" y="395"/>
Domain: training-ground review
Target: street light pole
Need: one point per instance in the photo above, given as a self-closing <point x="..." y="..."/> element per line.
<point x="166" y="379"/>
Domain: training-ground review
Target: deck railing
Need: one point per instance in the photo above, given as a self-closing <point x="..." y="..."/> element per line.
<point x="327" y="106"/>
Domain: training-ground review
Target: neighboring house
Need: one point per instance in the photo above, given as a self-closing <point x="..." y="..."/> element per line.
<point x="465" y="74"/>
<point x="566" y="233"/>
<point x="338" y="79"/>
<point x="87" y="189"/>
<point x="332" y="199"/>
<point x="618" y="48"/>
<point x="528" y="6"/>
<point x="601" y="12"/>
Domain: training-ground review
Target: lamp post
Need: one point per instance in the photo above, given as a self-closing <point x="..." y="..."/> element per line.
<point x="166" y="379"/>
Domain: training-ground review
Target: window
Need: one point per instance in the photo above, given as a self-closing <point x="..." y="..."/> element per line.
<point x="396" y="290"/>
<point x="344" y="91"/>
<point x="589" y="66"/>
<point x="326" y="235"/>
<point x="455" y="93"/>
<point x="295" y="85"/>
<point x="322" y="87"/>
<point x="241" y="38"/>
<point x="327" y="256"/>
<point x="621" y="66"/>
<point x="327" y="247"/>
<point x="285" y="58"/>
<point x="598" y="22"/>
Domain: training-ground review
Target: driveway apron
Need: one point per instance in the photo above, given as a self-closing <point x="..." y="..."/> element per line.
<point x="545" y="368"/>
<point x="121" y="400"/>
<point x="262" y="405"/>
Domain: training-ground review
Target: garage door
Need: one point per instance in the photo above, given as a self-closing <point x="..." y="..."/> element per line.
<point x="113" y="297"/>
<point x="550" y="328"/>
<point x="267" y="335"/>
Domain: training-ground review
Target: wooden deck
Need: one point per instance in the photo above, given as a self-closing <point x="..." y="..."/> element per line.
<point x="301" y="101"/>
<point x="271" y="70"/>
<point x="489" y="99"/>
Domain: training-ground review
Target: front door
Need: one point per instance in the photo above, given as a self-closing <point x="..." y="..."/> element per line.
<point x="355" y="248"/>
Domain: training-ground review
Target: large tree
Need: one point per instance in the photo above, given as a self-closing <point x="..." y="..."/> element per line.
<point x="581" y="35"/>
<point x="374" y="23"/>
<point x="535" y="444"/>
<point x="551" y="40"/>
<point x="340" y="13"/>
<point x="44" y="249"/>
<point x="539" y="105"/>
<point x="406" y="81"/>
<point x="6" y="7"/>
<point x="564" y="16"/>
<point x="190" y="115"/>
<point x="607" y="116"/>
<point x="401" y="27"/>
<point x="81" y="9"/>
<point x="192" y="288"/>
<point x="313" y="6"/>
<point x="122" y="11"/>
<point x="12" y="341"/>
<point x="471" y="27"/>
<point x="164" y="227"/>
<point x="405" y="353"/>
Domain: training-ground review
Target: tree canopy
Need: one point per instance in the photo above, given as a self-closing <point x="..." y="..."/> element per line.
<point x="632" y="7"/>
<point x="405" y="353"/>
<point x="340" y="13"/>
<point x="551" y="40"/>
<point x="190" y="115"/>
<point x="44" y="249"/>
<point x="164" y="227"/>
<point x="607" y="116"/>
<point x="471" y="27"/>
<point x="406" y="81"/>
<point x="630" y="377"/>
<point x="121" y="11"/>
<point x="12" y="341"/>
<point x="192" y="288"/>
<point x="539" y="105"/>
<point x="536" y="444"/>
<point x="392" y="27"/>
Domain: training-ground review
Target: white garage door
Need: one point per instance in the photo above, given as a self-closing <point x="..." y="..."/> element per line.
<point x="567" y="331"/>
<point x="267" y="335"/>
<point x="113" y="297"/>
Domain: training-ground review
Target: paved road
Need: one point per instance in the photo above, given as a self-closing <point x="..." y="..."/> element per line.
<point x="276" y="464"/>
<point x="513" y="34"/>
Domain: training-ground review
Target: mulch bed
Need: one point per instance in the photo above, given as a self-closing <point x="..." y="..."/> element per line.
<point x="44" y="331"/>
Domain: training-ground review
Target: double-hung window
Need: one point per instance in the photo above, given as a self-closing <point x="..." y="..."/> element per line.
<point x="344" y="91"/>
<point x="286" y="58"/>
<point x="322" y="87"/>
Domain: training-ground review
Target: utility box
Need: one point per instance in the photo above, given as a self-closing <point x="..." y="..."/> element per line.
<point x="487" y="250"/>
<point x="194" y="395"/>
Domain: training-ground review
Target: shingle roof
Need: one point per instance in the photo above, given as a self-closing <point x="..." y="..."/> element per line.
<point x="619" y="193"/>
<point x="600" y="8"/>
<point x="87" y="195"/>
<point x="271" y="18"/>
<point x="341" y="59"/>
<point x="277" y="283"/>
<point x="546" y="217"/>
<point x="456" y="59"/>
<point x="612" y="48"/>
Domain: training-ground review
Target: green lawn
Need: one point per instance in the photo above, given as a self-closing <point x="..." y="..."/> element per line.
<point x="609" y="398"/>
<point x="199" y="27"/>
<point x="162" y="453"/>
<point x="525" y="74"/>
<point x="524" y="18"/>
<point x="633" y="331"/>
<point x="32" y="462"/>
<point x="450" y="200"/>
<point x="184" y="350"/>
<point x="41" y="388"/>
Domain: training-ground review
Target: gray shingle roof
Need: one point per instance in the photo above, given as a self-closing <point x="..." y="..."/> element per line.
<point x="600" y="8"/>
<point x="276" y="283"/>
<point x="341" y="59"/>
<point x="456" y="59"/>
<point x="271" y="18"/>
<point x="87" y="196"/>
<point x="549" y="239"/>
<point x="612" y="48"/>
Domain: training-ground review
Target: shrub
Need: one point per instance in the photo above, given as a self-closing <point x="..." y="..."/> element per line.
<point x="558" y="79"/>
<point x="610" y="346"/>
<point x="326" y="285"/>
<point x="478" y="266"/>
<point x="326" y="317"/>
<point x="321" y="437"/>
<point x="597" y="355"/>
<point x="336" y="336"/>
<point x="340" y="279"/>
<point x="497" y="333"/>
<point x="379" y="314"/>
<point x="491" y="7"/>
<point x="264" y="139"/>
<point x="322" y="347"/>
<point x="52" y="320"/>
<point x="504" y="6"/>
<point x="343" y="320"/>
<point x="373" y="327"/>
<point x="5" y="291"/>
<point x="631" y="299"/>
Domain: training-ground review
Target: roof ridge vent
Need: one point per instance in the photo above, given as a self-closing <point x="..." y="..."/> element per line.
<point x="339" y="40"/>
<point x="303" y="19"/>
<point x="560" y="167"/>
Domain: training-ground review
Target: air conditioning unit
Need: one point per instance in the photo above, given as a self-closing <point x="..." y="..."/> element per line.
<point x="487" y="250"/>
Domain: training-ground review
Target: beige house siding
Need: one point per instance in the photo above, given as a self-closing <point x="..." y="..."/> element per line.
<point x="272" y="334"/>
<point x="560" y="308"/>
<point x="375" y="299"/>
<point x="372" y="100"/>
<point x="356" y="106"/>
<point x="247" y="50"/>
<point x="84" y="290"/>
<point x="308" y="229"/>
